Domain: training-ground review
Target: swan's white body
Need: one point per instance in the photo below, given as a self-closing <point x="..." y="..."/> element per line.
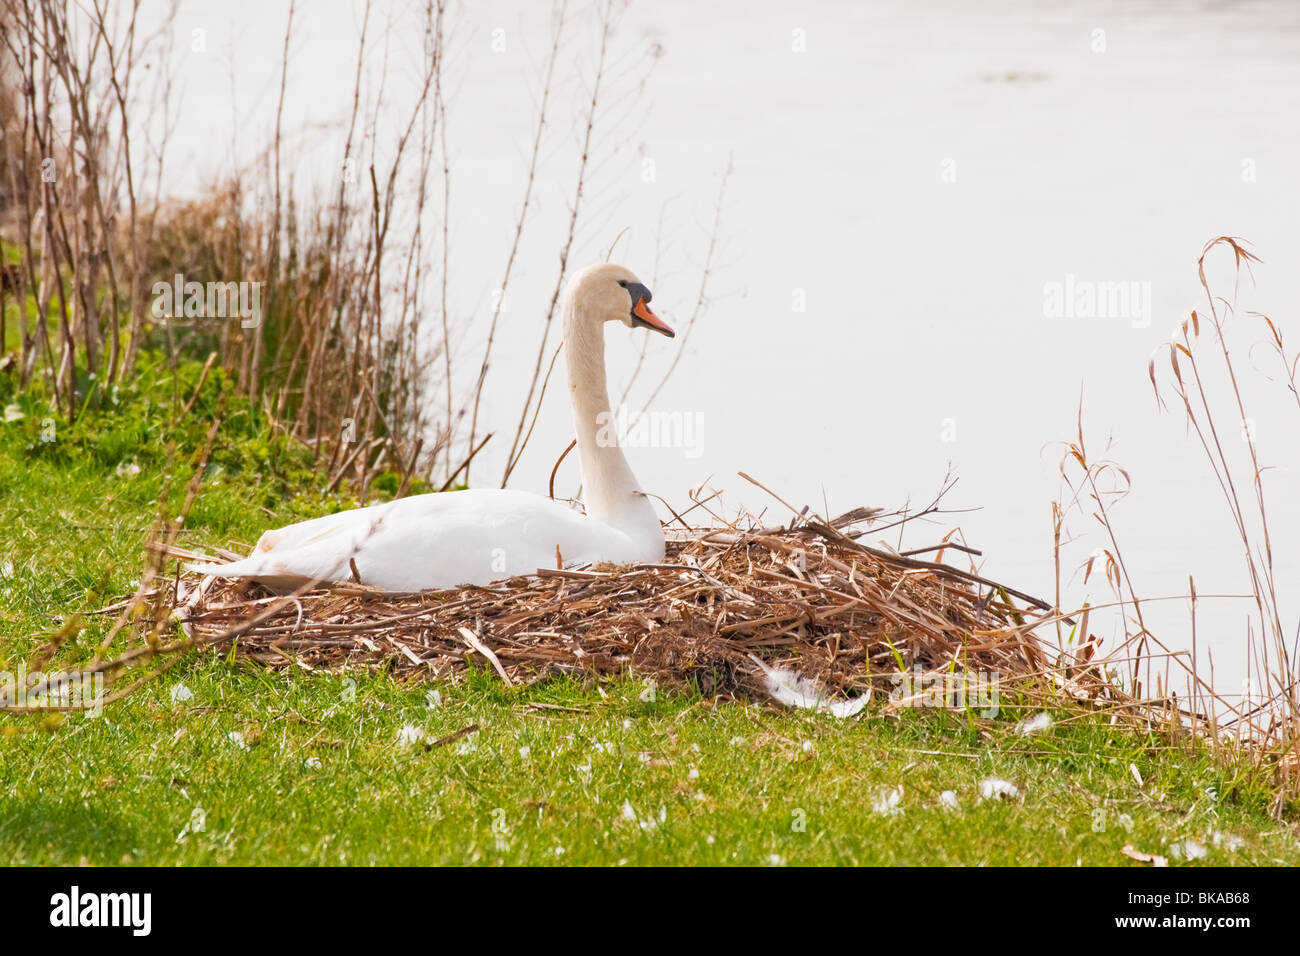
<point x="479" y="536"/>
<point x="436" y="540"/>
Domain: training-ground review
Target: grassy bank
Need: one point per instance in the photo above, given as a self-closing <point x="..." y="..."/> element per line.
<point x="227" y="764"/>
<point x="223" y="762"/>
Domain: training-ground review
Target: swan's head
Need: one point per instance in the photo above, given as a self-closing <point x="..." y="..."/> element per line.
<point x="607" y="293"/>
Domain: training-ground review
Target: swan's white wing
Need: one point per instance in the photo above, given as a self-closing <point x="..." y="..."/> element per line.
<point x="313" y="530"/>
<point x="434" y="541"/>
<point x="319" y="549"/>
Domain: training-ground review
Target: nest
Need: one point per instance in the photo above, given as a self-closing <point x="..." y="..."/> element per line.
<point x="723" y="612"/>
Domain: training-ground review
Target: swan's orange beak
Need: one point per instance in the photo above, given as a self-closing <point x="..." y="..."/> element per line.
<point x="642" y="315"/>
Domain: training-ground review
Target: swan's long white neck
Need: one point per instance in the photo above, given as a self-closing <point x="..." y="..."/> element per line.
<point x="610" y="490"/>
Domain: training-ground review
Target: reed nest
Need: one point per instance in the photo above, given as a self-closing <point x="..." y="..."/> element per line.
<point x="722" y="606"/>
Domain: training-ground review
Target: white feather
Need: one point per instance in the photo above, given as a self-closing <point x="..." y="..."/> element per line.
<point x="992" y="788"/>
<point x="1032" y="725"/>
<point x="794" y="690"/>
<point x="886" y="802"/>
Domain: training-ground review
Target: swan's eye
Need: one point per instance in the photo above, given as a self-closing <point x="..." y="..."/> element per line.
<point x="636" y="290"/>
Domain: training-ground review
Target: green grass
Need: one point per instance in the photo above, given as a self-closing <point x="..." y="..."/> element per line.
<point x="223" y="762"/>
<point x="312" y="769"/>
<point x="78" y="501"/>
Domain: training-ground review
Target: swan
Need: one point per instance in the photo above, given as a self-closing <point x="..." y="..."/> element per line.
<point x="445" y="539"/>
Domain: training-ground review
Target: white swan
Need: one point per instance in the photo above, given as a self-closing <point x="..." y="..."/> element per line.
<point x="478" y="536"/>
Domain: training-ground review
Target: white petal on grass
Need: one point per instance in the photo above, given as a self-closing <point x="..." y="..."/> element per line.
<point x="992" y="788"/>
<point x="948" y="800"/>
<point x="181" y="693"/>
<point x="410" y="734"/>
<point x="524" y="752"/>
<point x="1189" y="849"/>
<point x="313" y="763"/>
<point x="887" y="801"/>
<point x="794" y="690"/>
<point x="1226" y="841"/>
<point x="1035" y="724"/>
<point x="237" y="739"/>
